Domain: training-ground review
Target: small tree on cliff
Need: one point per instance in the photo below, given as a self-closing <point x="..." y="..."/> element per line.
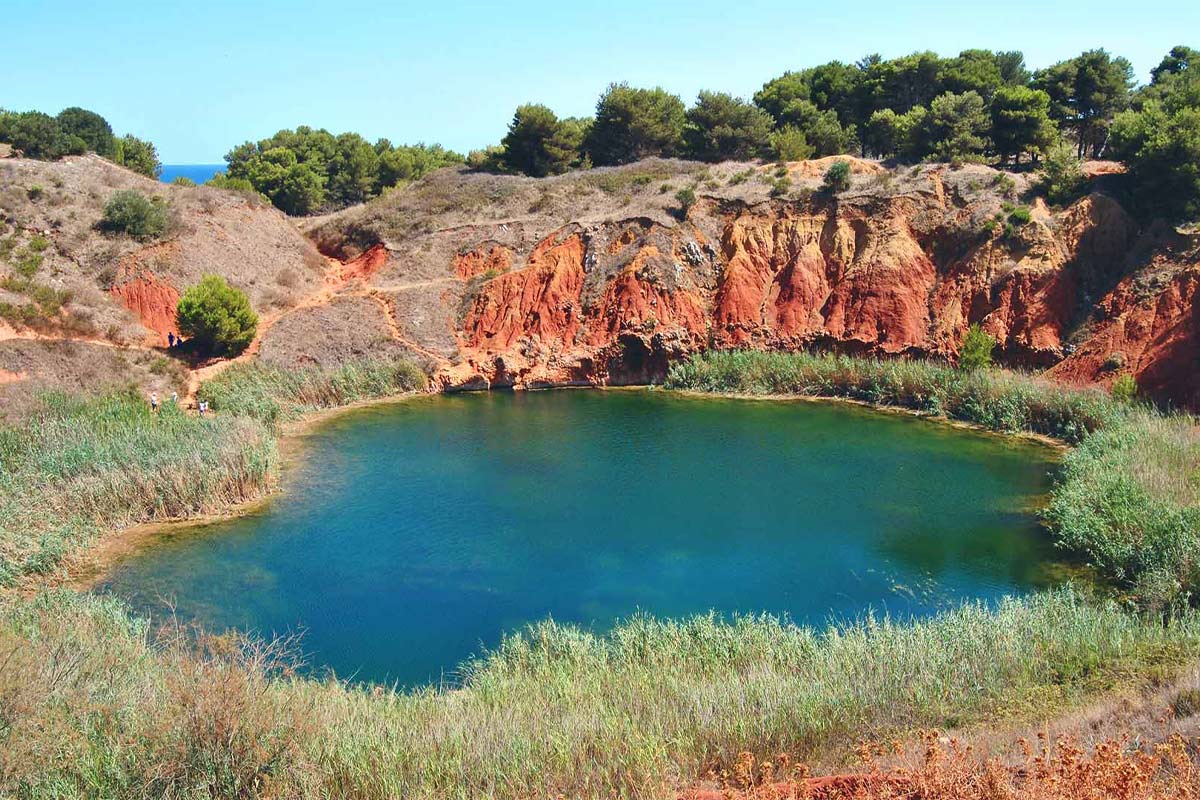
<point x="976" y="352"/>
<point x="216" y="317"/>
<point x="837" y="177"/>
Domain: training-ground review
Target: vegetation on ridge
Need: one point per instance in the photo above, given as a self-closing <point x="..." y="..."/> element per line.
<point x="73" y="132"/>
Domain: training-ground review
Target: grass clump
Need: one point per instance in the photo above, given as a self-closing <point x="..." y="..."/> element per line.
<point x="273" y="394"/>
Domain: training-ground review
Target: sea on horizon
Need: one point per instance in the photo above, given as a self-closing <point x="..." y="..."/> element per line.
<point x="200" y="173"/>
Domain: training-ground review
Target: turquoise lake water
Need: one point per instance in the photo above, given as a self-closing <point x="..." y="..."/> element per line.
<point x="410" y="536"/>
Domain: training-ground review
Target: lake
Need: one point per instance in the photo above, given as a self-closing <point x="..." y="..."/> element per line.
<point x="409" y="536"/>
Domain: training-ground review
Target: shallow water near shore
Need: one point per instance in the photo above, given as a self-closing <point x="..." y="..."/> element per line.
<point x="410" y="536"/>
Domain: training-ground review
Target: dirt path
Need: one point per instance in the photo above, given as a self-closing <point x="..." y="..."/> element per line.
<point x="342" y="279"/>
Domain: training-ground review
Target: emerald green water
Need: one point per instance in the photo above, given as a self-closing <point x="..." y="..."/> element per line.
<point x="410" y="536"/>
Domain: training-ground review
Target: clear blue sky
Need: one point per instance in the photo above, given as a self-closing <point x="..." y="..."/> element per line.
<point x="197" y="78"/>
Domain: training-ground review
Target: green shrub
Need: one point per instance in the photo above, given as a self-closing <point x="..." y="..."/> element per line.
<point x="35" y="192"/>
<point x="789" y="144"/>
<point x="1062" y="174"/>
<point x="976" y="350"/>
<point x="687" y="198"/>
<point x="1020" y="216"/>
<point x="837" y="177"/>
<point x="131" y="212"/>
<point x="183" y="180"/>
<point x="216" y="317"/>
<point x="1124" y="389"/>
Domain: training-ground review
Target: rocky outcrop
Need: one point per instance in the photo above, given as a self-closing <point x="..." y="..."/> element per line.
<point x="879" y="278"/>
<point x="153" y="302"/>
<point x="487" y="280"/>
<point x="1149" y="331"/>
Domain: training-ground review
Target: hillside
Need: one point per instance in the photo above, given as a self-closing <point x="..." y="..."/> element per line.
<point x="599" y="277"/>
<point x="98" y="307"/>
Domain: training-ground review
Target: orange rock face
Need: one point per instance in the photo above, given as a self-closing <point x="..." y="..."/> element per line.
<point x="154" y="302"/>
<point x="540" y="301"/>
<point x="362" y="267"/>
<point x="904" y="275"/>
<point x="1152" y="334"/>
<point x="480" y="261"/>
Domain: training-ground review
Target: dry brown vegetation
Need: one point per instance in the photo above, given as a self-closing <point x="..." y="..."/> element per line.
<point x="1114" y="769"/>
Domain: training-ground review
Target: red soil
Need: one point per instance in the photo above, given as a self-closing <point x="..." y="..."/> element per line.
<point x="875" y="281"/>
<point x="361" y="268"/>
<point x="479" y="261"/>
<point x="154" y="302"/>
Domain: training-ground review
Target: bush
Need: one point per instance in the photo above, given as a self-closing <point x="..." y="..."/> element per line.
<point x="790" y="144"/>
<point x="1020" y="216"/>
<point x="138" y="155"/>
<point x="216" y="317"/>
<point x="976" y="351"/>
<point x="1125" y="389"/>
<point x="837" y="177"/>
<point x="687" y="198"/>
<point x="1062" y="174"/>
<point x="132" y="213"/>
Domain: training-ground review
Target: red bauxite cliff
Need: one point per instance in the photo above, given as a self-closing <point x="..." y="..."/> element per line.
<point x="565" y="282"/>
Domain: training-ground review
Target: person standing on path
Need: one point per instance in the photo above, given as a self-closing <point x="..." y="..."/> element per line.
<point x="154" y="401"/>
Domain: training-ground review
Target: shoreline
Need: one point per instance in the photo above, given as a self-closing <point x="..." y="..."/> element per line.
<point x="90" y="568"/>
<point x="1050" y="442"/>
<point x="93" y="566"/>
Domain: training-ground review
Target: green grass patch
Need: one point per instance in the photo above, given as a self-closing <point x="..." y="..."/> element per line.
<point x="79" y="467"/>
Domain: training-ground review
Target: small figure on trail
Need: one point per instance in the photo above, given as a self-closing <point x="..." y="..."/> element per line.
<point x="170" y="339"/>
<point x="154" y="401"/>
<point x="175" y="398"/>
<point x="203" y="406"/>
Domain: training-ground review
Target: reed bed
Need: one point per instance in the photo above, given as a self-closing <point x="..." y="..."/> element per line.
<point x="81" y="467"/>
<point x="101" y="709"/>
<point x="274" y="394"/>
<point x="1004" y="401"/>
